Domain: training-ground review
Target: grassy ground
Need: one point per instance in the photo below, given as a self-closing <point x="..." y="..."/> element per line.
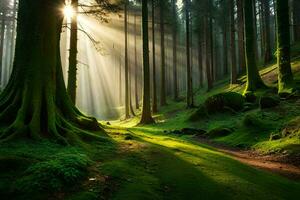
<point x="149" y="163"/>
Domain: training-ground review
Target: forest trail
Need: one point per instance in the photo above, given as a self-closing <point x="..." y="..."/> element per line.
<point x="173" y="168"/>
<point x="272" y="163"/>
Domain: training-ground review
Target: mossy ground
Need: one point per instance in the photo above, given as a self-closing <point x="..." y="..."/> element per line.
<point x="149" y="163"/>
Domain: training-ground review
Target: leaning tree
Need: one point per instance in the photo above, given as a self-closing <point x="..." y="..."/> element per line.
<point x="35" y="103"/>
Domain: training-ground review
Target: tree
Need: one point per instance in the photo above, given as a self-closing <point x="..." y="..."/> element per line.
<point x="146" y="112"/>
<point x="174" y="38"/>
<point x="127" y="98"/>
<point x="154" y="96"/>
<point x="189" y="92"/>
<point x="285" y="75"/>
<point x="208" y="44"/>
<point x="267" y="31"/>
<point x="232" y="43"/>
<point x="35" y="102"/>
<point x="296" y="19"/>
<point x="163" y="95"/>
<point x="254" y="80"/>
<point x="72" y="73"/>
<point x="240" y="27"/>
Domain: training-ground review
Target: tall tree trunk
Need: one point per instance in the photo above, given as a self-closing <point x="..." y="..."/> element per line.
<point x="72" y="73"/>
<point x="127" y="100"/>
<point x="267" y="31"/>
<point x="296" y="19"/>
<point x="255" y="35"/>
<point x="240" y="27"/>
<point x="254" y="80"/>
<point x="146" y="112"/>
<point x="232" y="44"/>
<point x="137" y="106"/>
<point x="174" y="38"/>
<point x="35" y="102"/>
<point x="208" y="53"/>
<point x="225" y="49"/>
<point x="13" y="36"/>
<point x="285" y="75"/>
<point x="154" y="96"/>
<point x="2" y="45"/>
<point x="163" y="100"/>
<point x="200" y="65"/>
<point x="189" y="93"/>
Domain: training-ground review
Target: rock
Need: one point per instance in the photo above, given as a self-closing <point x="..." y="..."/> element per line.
<point x="218" y="102"/>
<point x="275" y="136"/>
<point x="228" y="101"/>
<point x="108" y="123"/>
<point x="219" y="132"/>
<point x="268" y="102"/>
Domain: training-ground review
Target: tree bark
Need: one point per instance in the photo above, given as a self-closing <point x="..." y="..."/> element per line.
<point x="2" y="45"/>
<point x="127" y="100"/>
<point x="72" y="73"/>
<point x="232" y="44"/>
<point x="254" y="80"/>
<point x="174" y="37"/>
<point x="296" y="19"/>
<point x="154" y="95"/>
<point x="267" y="31"/>
<point x="240" y="26"/>
<point x="146" y="112"/>
<point x="163" y="100"/>
<point x="189" y="93"/>
<point x="137" y="106"/>
<point x="285" y="75"/>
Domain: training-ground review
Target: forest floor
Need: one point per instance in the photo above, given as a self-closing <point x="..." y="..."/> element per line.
<point x="154" y="162"/>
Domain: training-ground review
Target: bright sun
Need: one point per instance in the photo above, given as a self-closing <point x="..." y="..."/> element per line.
<point x="68" y="11"/>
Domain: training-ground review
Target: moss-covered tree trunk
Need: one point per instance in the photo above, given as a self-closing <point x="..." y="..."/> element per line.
<point x="35" y="103"/>
<point x="72" y="73"/>
<point x="254" y="80"/>
<point x="154" y="89"/>
<point x="146" y="112"/>
<point x="285" y="75"/>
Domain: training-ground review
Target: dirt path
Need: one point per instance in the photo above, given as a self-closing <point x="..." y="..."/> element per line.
<point x="266" y="162"/>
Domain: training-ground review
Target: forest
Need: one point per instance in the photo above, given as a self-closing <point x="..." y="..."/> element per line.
<point x="149" y="99"/>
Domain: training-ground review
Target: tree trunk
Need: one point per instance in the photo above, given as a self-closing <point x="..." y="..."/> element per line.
<point x="296" y="19"/>
<point x="285" y="75"/>
<point x="267" y="31"/>
<point x="240" y="26"/>
<point x="137" y="106"/>
<point x="225" y="49"/>
<point x="35" y="102"/>
<point x="232" y="44"/>
<point x="72" y="73"/>
<point x="174" y="37"/>
<point x="163" y="100"/>
<point x="254" y="80"/>
<point x="189" y="93"/>
<point x="2" y="45"/>
<point x="154" y="96"/>
<point x="200" y="65"/>
<point x="127" y="106"/>
<point x="146" y="112"/>
<point x="208" y="53"/>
